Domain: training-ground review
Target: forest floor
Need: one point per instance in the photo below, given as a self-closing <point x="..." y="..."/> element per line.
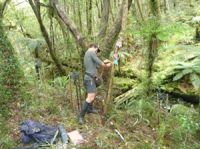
<point x="151" y="128"/>
<point x="144" y="126"/>
<point x="49" y="106"/>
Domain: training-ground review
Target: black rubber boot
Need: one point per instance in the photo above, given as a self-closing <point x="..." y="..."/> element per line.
<point x="91" y="109"/>
<point x="83" y="112"/>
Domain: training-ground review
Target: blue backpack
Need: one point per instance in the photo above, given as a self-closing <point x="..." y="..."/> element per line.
<point x="37" y="132"/>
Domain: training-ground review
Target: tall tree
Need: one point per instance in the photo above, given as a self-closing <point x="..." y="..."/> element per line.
<point x="104" y="19"/>
<point x="140" y="9"/>
<point x="153" y="44"/>
<point x="111" y="34"/>
<point x="89" y="16"/>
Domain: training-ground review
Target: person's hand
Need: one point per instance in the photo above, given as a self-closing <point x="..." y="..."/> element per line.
<point x="108" y="64"/>
<point x="106" y="61"/>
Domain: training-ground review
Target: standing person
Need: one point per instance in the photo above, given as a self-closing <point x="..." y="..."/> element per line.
<point x="91" y="64"/>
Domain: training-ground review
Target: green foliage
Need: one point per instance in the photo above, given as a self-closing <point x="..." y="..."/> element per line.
<point x="61" y="82"/>
<point x="5" y="139"/>
<point x="163" y="29"/>
<point x="179" y="63"/>
<point x="102" y="139"/>
<point x="33" y="43"/>
<point x="179" y="127"/>
<point x="124" y="84"/>
<point x="189" y="67"/>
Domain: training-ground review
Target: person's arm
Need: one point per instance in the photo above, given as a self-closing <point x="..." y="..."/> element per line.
<point x="96" y="59"/>
<point x="105" y="63"/>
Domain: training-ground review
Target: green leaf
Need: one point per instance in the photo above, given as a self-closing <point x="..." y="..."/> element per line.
<point x="178" y="76"/>
<point x="187" y="71"/>
<point x="195" y="79"/>
<point x="182" y="73"/>
<point x="163" y="36"/>
<point x="197" y="69"/>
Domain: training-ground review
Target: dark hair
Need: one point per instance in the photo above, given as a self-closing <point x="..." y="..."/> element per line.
<point x="93" y="45"/>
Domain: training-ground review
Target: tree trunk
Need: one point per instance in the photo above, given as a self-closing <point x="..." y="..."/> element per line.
<point x="151" y="55"/>
<point x="89" y="16"/>
<point x="109" y="99"/>
<point x="113" y="33"/>
<point x="166" y="6"/>
<point x="104" y="19"/>
<point x="98" y="8"/>
<point x="129" y="4"/>
<point x="3" y="7"/>
<point x="36" y="10"/>
<point x="79" y="16"/>
<point x="139" y="9"/>
<point x="197" y="33"/>
<point x="155" y="7"/>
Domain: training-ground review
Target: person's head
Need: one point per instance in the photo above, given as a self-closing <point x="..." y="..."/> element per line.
<point x="95" y="47"/>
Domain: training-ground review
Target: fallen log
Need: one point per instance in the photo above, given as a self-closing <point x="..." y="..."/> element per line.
<point x="194" y="99"/>
<point x="126" y="97"/>
<point x="65" y="63"/>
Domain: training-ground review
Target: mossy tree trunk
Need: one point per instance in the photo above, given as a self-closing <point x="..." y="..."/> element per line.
<point x="138" y="4"/>
<point x="89" y="15"/>
<point x="197" y="33"/>
<point x="155" y="7"/>
<point x="150" y="58"/>
<point x="11" y="75"/>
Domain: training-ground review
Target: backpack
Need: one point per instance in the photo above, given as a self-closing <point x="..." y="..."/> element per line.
<point x="37" y="132"/>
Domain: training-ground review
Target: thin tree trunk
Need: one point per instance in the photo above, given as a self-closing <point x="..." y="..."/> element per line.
<point x="113" y="33"/>
<point x="3" y="6"/>
<point x="89" y="16"/>
<point x="104" y="19"/>
<point x="166" y="5"/>
<point x="98" y="8"/>
<point x="151" y="55"/>
<point x="129" y="4"/>
<point x="155" y="7"/>
<point x="139" y="9"/>
<point x="79" y="16"/>
<point x="74" y="14"/>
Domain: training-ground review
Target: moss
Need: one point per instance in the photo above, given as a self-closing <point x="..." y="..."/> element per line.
<point x="180" y="109"/>
<point x="122" y="85"/>
<point x="11" y="75"/>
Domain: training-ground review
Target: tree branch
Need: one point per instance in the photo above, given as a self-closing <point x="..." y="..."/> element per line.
<point x="69" y="24"/>
<point x="3" y="7"/>
<point x="129" y="4"/>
